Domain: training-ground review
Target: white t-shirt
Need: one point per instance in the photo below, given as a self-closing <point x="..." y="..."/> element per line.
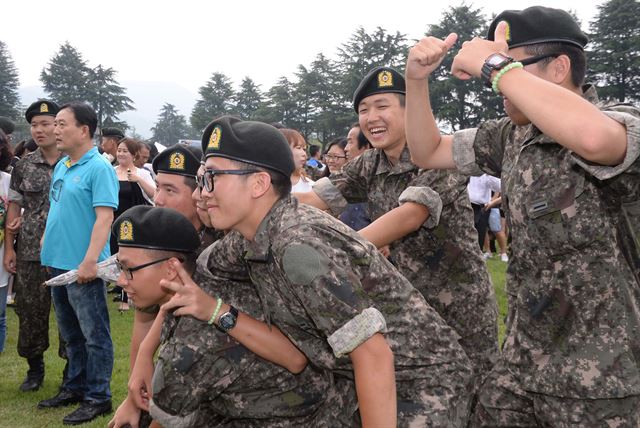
<point x="480" y="188"/>
<point x="4" y="192"/>
<point x="302" y="186"/>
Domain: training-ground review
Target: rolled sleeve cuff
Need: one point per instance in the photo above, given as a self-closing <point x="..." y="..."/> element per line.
<point x="357" y="331"/>
<point x="427" y="197"/>
<point x="464" y="156"/>
<point x="168" y="420"/>
<point x="14" y="196"/>
<point x="331" y="195"/>
<point x="603" y="172"/>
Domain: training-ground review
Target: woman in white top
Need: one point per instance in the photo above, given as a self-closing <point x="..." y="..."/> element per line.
<point x="5" y="161"/>
<point x="136" y="188"/>
<point x="300" y="182"/>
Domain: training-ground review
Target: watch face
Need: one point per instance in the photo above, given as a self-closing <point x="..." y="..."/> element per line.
<point x="227" y="321"/>
<point x="495" y="60"/>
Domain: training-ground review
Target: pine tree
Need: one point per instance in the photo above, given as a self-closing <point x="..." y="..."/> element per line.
<point x="106" y="96"/>
<point x="614" y="57"/>
<point x="216" y="99"/>
<point x="248" y="99"/>
<point x="66" y="78"/>
<point x="170" y="126"/>
<point x="9" y="83"/>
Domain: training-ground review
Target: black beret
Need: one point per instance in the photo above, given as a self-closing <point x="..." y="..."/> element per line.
<point x="539" y="24"/>
<point x="41" y="108"/>
<point x="156" y="228"/>
<point x="378" y="81"/>
<point x="179" y="159"/>
<point x="255" y="143"/>
<point x="7" y="125"/>
<point x="112" y="132"/>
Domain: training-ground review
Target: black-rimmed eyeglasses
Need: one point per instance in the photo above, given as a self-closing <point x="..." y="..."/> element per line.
<point x="128" y="271"/>
<point x="206" y="180"/>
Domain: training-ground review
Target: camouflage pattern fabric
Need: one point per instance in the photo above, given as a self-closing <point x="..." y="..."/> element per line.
<point x="314" y="275"/>
<point x="575" y="323"/>
<point x="29" y="187"/>
<point x="203" y="375"/>
<point x="441" y="259"/>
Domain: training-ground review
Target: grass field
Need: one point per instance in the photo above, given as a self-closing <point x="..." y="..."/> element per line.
<point x="18" y="410"/>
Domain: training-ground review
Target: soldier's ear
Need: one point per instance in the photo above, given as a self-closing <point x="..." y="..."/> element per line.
<point x="260" y="184"/>
<point x="171" y="274"/>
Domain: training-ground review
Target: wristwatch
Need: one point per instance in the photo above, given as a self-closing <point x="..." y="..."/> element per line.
<point x="494" y="62"/>
<point x="228" y="320"/>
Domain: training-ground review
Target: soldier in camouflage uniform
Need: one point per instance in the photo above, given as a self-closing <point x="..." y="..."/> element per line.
<point x="438" y="252"/>
<point x="203" y="376"/>
<point x="29" y="190"/>
<point x="571" y="353"/>
<point x="329" y="290"/>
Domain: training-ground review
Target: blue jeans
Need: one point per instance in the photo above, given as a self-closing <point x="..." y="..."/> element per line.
<point x="3" y="315"/>
<point x="83" y="320"/>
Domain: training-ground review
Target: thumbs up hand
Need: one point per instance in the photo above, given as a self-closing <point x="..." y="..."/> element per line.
<point x="469" y="60"/>
<point x="426" y="55"/>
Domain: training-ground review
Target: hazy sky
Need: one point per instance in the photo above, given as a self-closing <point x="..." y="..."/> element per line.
<point x="185" y="41"/>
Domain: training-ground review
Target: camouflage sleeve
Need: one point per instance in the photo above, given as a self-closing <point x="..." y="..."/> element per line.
<point x="478" y="150"/>
<point x="15" y="194"/>
<point x="427" y="197"/>
<point x="322" y="277"/>
<point x="348" y="186"/>
<point x="224" y="258"/>
<point x="631" y="162"/>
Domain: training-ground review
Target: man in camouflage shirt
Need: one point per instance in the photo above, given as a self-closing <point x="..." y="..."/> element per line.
<point x="205" y="377"/>
<point x="572" y="349"/>
<point x="29" y="191"/>
<point x="424" y="216"/>
<point x="329" y="290"/>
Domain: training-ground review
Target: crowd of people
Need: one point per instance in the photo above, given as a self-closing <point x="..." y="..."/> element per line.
<point x="276" y="283"/>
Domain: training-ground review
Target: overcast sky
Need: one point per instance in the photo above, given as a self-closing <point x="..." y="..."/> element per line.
<point x="186" y="41"/>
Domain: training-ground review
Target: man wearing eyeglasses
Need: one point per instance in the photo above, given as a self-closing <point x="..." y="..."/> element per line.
<point x="83" y="196"/>
<point x="571" y="189"/>
<point x="425" y="218"/>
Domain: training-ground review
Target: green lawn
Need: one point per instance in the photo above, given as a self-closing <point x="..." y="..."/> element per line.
<point x="19" y="410"/>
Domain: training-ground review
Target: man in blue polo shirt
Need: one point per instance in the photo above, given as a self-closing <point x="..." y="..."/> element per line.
<point x="83" y="195"/>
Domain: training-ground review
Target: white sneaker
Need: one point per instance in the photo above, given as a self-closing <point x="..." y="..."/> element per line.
<point x="504" y="257"/>
<point x="487" y="255"/>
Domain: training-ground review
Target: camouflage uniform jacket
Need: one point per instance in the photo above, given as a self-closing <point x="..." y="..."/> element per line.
<point x="441" y="259"/>
<point x="29" y="188"/>
<point x="576" y="329"/>
<point x="206" y="378"/>
<point x="330" y="290"/>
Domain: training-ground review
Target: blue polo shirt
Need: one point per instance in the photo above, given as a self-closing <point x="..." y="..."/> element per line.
<point x="75" y="191"/>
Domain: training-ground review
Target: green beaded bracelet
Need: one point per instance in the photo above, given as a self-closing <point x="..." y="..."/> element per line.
<point x="215" y="312"/>
<point x="496" y="79"/>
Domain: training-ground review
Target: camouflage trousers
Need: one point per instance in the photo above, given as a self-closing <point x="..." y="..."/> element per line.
<point x="503" y="403"/>
<point x="33" y="303"/>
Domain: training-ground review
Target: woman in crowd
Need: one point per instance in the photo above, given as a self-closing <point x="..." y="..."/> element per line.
<point x="136" y="188"/>
<point x="300" y="182"/>
<point x="335" y="156"/>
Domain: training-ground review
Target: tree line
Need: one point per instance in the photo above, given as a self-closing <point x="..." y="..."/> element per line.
<point x="316" y="99"/>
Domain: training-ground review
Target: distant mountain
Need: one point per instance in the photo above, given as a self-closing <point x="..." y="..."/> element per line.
<point x="148" y="98"/>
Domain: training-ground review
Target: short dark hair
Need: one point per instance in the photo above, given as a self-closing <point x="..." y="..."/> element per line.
<point x="190" y="182"/>
<point x="6" y="155"/>
<point x="340" y="142"/>
<point x="188" y="259"/>
<point x="313" y="150"/>
<point x="403" y="99"/>
<point x="84" y="114"/>
<point x="281" y="183"/>
<point x="576" y="56"/>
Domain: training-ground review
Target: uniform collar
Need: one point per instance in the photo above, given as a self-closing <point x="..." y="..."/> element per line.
<point x="385" y="167"/>
<point x="258" y="249"/>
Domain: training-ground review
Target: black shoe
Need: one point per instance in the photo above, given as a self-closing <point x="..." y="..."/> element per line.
<point x="64" y="398"/>
<point x="87" y="411"/>
<point x="35" y="375"/>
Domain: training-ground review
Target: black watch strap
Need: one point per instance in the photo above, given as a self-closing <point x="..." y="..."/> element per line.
<point x="228" y="320"/>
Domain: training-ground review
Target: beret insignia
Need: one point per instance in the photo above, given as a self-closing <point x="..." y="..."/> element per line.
<point x="385" y="79"/>
<point x="126" y="231"/>
<point x="176" y="161"/>
<point x="44" y="108"/>
<point x="214" y="140"/>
